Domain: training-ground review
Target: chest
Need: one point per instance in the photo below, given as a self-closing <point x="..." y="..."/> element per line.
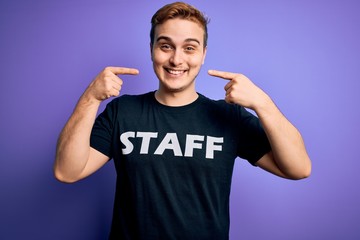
<point x="157" y="143"/>
<point x="194" y="147"/>
<point x="189" y="134"/>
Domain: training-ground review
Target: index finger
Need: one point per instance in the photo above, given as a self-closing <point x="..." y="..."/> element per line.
<point x="123" y="70"/>
<point x="221" y="74"/>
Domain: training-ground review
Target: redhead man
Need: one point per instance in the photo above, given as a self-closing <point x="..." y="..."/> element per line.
<point x="173" y="148"/>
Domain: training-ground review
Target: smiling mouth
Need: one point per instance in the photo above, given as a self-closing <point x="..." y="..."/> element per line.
<point x="175" y="72"/>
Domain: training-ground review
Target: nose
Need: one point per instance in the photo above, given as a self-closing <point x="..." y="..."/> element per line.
<point x="176" y="58"/>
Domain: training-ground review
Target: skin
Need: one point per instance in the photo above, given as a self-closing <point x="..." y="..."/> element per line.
<point x="177" y="54"/>
<point x="288" y="158"/>
<point x="75" y="159"/>
<point x="177" y="58"/>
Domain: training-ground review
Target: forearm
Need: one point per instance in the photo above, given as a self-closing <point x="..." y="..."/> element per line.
<point x="287" y="144"/>
<point x="288" y="157"/>
<point x="73" y="146"/>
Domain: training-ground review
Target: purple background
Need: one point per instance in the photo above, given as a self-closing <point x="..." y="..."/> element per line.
<point x="305" y="54"/>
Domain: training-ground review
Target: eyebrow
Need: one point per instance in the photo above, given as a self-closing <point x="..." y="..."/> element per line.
<point x="169" y="39"/>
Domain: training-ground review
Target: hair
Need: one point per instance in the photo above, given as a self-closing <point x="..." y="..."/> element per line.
<point x="179" y="10"/>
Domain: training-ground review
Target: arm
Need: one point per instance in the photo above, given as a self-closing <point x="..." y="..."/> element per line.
<point x="288" y="150"/>
<point x="288" y="157"/>
<point x="75" y="159"/>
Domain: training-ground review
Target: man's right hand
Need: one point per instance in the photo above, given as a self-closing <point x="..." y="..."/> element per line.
<point x="75" y="159"/>
<point x="107" y="84"/>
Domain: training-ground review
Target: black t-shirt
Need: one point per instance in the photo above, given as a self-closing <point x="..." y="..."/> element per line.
<point x="174" y="164"/>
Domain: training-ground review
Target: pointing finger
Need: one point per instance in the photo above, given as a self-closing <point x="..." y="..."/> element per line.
<point x="122" y="70"/>
<point x="221" y="74"/>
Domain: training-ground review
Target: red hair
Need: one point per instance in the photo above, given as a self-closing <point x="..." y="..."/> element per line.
<point x="179" y="10"/>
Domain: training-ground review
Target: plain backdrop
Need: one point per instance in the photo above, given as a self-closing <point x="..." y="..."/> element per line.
<point x="304" y="54"/>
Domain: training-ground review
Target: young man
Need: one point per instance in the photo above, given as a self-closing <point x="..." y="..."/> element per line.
<point x="174" y="149"/>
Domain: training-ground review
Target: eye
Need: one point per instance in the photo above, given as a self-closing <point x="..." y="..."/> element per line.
<point x="165" y="47"/>
<point x="190" y="49"/>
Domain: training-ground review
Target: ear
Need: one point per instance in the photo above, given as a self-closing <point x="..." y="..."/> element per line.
<point x="205" y="51"/>
<point x="151" y="51"/>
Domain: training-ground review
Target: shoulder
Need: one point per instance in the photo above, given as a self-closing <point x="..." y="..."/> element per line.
<point x="130" y="101"/>
<point x="127" y="104"/>
<point x="223" y="108"/>
<point x="211" y="103"/>
<point x="127" y="98"/>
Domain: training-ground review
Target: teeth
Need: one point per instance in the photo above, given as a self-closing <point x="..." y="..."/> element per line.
<point x="175" y="72"/>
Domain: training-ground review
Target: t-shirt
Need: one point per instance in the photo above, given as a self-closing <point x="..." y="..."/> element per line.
<point x="174" y="164"/>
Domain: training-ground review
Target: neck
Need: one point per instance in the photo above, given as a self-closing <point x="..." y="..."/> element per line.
<point x="175" y="99"/>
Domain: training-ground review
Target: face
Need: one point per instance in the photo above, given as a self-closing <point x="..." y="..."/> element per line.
<point x="177" y="54"/>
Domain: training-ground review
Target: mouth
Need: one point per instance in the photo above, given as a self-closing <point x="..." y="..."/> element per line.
<point x="175" y="72"/>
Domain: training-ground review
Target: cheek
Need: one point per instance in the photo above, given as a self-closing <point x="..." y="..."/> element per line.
<point x="158" y="57"/>
<point x="195" y="61"/>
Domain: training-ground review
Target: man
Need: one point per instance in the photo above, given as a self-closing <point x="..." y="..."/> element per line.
<point x="174" y="149"/>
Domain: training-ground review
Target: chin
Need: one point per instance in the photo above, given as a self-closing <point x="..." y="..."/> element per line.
<point x="173" y="89"/>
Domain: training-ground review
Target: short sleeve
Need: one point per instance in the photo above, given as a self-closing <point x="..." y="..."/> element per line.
<point x="253" y="142"/>
<point x="102" y="131"/>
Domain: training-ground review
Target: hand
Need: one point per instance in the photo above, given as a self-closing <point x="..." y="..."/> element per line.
<point x="241" y="90"/>
<point x="107" y="84"/>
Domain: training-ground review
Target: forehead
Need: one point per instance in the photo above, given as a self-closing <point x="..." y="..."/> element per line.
<point x="179" y="30"/>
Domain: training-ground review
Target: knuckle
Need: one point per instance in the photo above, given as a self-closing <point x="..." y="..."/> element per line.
<point x="237" y="79"/>
<point x="228" y="100"/>
<point x="107" y="69"/>
<point x="235" y="87"/>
